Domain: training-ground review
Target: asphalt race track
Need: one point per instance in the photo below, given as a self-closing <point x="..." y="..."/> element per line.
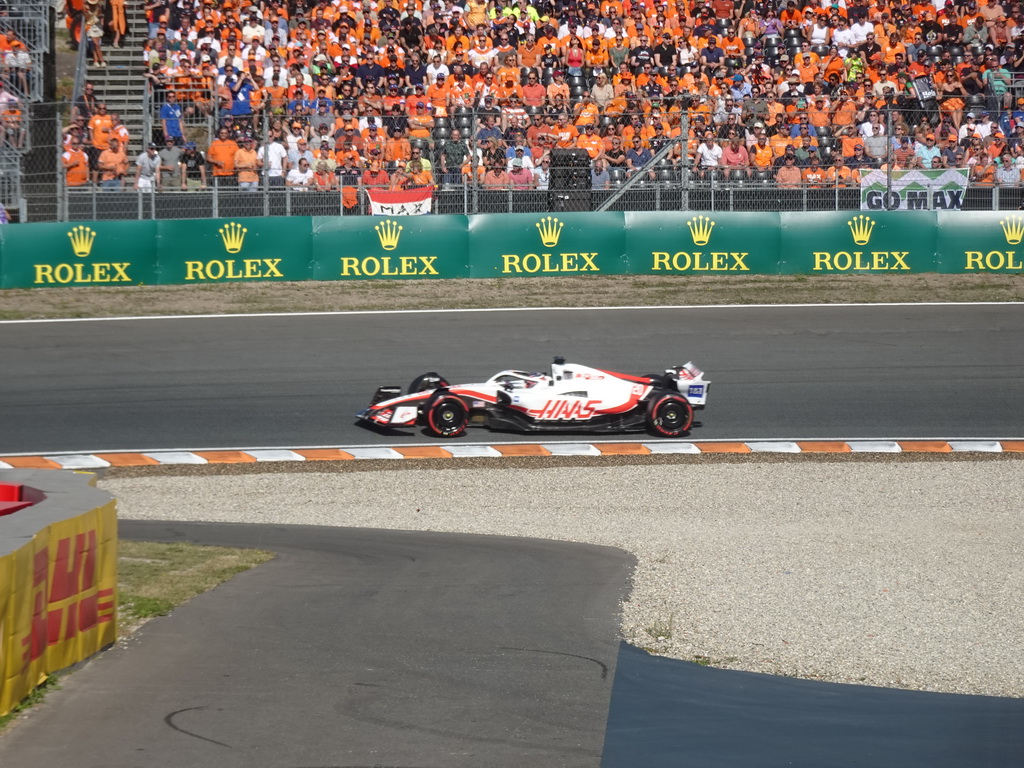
<point x="383" y="648"/>
<point x="837" y="372"/>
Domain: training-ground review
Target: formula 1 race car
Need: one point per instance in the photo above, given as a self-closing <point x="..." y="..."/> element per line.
<point x="572" y="398"/>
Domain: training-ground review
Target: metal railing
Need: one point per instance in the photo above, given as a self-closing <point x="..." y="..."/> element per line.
<point x="30" y="21"/>
<point x="92" y="203"/>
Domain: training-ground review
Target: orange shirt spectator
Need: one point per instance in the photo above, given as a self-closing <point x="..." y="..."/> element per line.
<point x="788" y="174"/>
<point x="221" y="154"/>
<point x="100" y="126"/>
<point x="591" y="142"/>
<point x="76" y="165"/>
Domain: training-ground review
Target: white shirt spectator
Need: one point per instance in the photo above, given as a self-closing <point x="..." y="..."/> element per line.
<point x="844" y="39"/>
<point x="433" y="70"/>
<point x="274" y="157"/>
<point x="710" y="157"/>
<point x="299" y="178"/>
<point x="861" y="30"/>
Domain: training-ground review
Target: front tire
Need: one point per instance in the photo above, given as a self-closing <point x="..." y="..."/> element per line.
<point x="669" y="415"/>
<point x="427" y="381"/>
<point x="446" y="417"/>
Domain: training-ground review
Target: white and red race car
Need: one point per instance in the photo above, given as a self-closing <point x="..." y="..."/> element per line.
<point x="572" y="398"/>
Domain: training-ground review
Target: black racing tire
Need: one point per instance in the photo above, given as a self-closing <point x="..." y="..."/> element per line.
<point x="446" y="416"/>
<point x="424" y="381"/>
<point x="669" y="415"/>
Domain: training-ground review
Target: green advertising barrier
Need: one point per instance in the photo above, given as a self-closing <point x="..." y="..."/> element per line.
<point x="547" y="244"/>
<point x="233" y="250"/>
<point x="702" y="243"/>
<point x="398" y="247"/>
<point x="896" y="242"/>
<point x="981" y="242"/>
<point x="508" y="245"/>
<point x="88" y="253"/>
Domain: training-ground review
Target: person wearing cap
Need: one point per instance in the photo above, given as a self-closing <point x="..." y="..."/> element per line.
<point x="192" y="165"/>
<point x="247" y="163"/>
<point x="299" y="151"/>
<point x="927" y="150"/>
<point x="147" y="169"/>
<point x="787" y="174"/>
<point x="590" y="141"/>
<point x="519" y="176"/>
<point x="112" y="165"/>
<point x="711" y="55"/>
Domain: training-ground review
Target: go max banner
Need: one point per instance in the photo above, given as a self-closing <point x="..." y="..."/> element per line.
<point x="914" y="190"/>
<point x="233" y="250"/>
<point x="405" y="247"/>
<point x="91" y="253"/>
<point x="990" y="241"/>
<point x="702" y="243"/>
<point x="856" y="243"/>
<point x="547" y="244"/>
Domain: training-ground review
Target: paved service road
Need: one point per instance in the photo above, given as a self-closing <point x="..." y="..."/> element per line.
<point x="354" y="648"/>
<point x="295" y="381"/>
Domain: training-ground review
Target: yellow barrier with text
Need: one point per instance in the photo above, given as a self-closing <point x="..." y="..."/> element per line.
<point x="58" y="598"/>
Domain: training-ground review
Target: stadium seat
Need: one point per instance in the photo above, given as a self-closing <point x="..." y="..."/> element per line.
<point x="737" y="175"/>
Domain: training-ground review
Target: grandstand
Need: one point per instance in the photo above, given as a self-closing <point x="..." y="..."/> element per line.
<point x="561" y="105"/>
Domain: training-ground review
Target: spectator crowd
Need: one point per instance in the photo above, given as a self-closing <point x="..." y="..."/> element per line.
<point x="403" y="93"/>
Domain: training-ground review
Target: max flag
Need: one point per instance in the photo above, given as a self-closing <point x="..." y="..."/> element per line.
<point x="411" y="202"/>
<point x="938" y="190"/>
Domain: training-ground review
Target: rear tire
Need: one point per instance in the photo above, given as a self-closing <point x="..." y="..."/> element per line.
<point x="669" y="415"/>
<point x="426" y="381"/>
<point x="446" y="416"/>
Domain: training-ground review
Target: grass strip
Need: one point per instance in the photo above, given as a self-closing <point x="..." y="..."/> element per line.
<point x="591" y="291"/>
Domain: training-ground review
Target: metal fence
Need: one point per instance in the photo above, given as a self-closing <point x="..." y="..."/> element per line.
<point x="216" y="202"/>
<point x="33" y="188"/>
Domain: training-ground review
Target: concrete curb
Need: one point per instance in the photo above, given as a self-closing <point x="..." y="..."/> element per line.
<point x="456" y="451"/>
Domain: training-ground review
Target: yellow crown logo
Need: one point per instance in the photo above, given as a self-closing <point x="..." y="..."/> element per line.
<point x="1013" y="229"/>
<point x="233" y="235"/>
<point x="388" y="232"/>
<point x="550" y="230"/>
<point x="861" y="228"/>
<point x="81" y="241"/>
<point x="700" y="229"/>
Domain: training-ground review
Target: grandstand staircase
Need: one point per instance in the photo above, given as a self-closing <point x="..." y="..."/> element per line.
<point x="121" y="83"/>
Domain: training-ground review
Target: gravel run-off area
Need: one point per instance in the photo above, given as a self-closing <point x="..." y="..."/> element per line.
<point x="895" y="573"/>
